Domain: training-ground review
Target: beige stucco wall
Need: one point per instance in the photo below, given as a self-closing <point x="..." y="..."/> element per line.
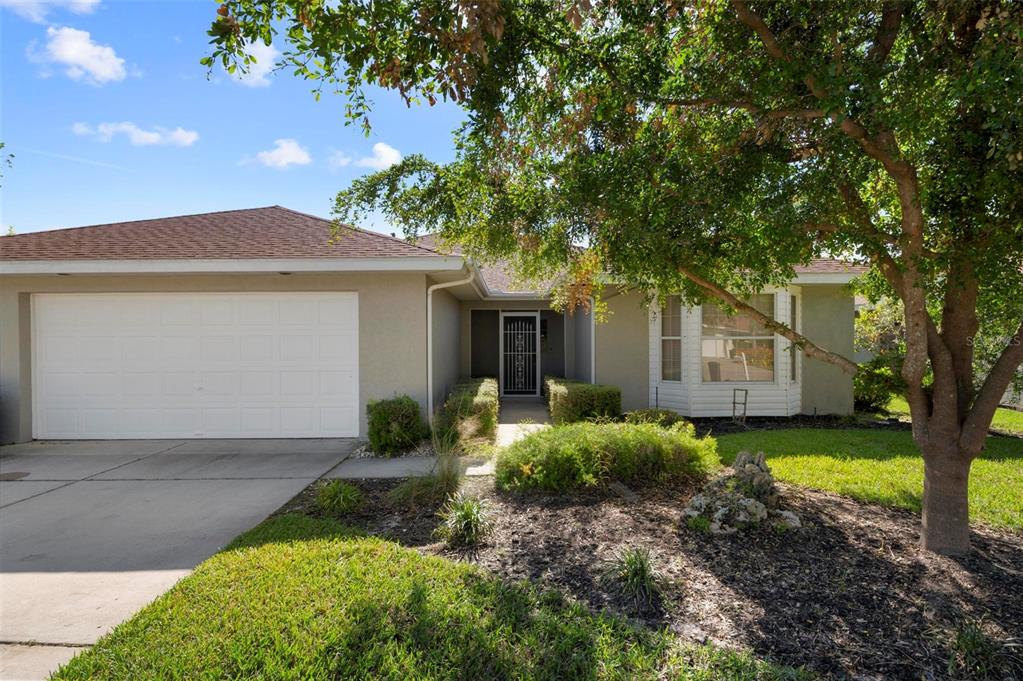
<point x="447" y="339"/>
<point x="392" y="328"/>
<point x="827" y="321"/>
<point x="622" y="347"/>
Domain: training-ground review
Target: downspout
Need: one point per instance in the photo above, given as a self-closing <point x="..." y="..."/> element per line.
<point x="429" y="338"/>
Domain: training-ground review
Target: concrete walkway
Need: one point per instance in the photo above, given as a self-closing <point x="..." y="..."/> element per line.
<point x="519" y="417"/>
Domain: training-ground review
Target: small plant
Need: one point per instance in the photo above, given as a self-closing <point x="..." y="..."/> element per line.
<point x="977" y="654"/>
<point x="632" y="572"/>
<point x="395" y="425"/>
<point x="338" y="496"/>
<point x="429" y="489"/>
<point x="698" y="523"/>
<point x="466" y="520"/>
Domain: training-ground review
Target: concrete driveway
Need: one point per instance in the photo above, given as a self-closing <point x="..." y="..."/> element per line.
<point x="92" y="531"/>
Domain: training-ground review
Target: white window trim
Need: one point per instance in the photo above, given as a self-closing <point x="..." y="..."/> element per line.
<point x="795" y="297"/>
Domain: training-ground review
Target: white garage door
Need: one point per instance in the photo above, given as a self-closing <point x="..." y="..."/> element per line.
<point x="195" y="365"/>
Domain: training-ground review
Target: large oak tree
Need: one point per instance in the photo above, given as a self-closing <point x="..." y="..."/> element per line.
<point x="708" y="147"/>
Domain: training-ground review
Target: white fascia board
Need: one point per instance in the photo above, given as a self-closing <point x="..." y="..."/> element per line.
<point x="417" y="263"/>
<point x="824" y="278"/>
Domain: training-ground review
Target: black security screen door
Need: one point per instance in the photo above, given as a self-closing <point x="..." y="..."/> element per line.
<point x="520" y="357"/>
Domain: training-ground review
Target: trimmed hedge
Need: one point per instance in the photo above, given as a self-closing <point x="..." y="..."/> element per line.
<point x="395" y="425"/>
<point x="470" y="412"/>
<point x="579" y="455"/>
<point x="569" y="401"/>
<point x="661" y="417"/>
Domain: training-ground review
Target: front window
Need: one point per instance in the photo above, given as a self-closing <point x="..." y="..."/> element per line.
<point x="793" y="318"/>
<point x="737" y="348"/>
<point x="671" y="339"/>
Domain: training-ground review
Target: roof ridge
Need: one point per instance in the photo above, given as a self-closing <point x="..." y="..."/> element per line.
<point x="367" y="232"/>
<point x="131" y="222"/>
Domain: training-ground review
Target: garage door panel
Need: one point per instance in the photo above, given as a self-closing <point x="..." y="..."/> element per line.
<point x="197" y="365"/>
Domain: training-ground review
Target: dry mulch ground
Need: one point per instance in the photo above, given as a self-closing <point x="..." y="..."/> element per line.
<point x="847" y="596"/>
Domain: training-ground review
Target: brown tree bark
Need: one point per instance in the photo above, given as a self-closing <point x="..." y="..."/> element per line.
<point x="946" y="511"/>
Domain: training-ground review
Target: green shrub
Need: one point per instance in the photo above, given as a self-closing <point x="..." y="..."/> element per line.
<point x="338" y="496"/>
<point x="395" y="425"/>
<point x="570" y="401"/>
<point x="470" y="412"/>
<point x="578" y="455"/>
<point x="874" y="384"/>
<point x="632" y="573"/>
<point x="466" y="520"/>
<point x="662" y="417"/>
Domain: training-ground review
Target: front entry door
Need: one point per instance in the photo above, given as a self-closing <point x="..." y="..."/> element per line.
<point x="520" y="361"/>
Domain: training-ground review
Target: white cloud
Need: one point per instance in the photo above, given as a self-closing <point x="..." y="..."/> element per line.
<point x="139" y="137"/>
<point x="84" y="59"/>
<point x="257" y="72"/>
<point x="37" y="10"/>
<point x="338" y="159"/>
<point x="384" y="156"/>
<point x="286" y="152"/>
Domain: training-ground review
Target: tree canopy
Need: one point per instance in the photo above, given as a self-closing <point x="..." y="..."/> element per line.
<point x="710" y="147"/>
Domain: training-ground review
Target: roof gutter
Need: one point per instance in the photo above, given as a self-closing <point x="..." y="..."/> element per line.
<point x="429" y="334"/>
<point x="412" y="263"/>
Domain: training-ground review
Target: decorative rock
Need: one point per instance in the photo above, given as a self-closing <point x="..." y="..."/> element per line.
<point x="741" y="499"/>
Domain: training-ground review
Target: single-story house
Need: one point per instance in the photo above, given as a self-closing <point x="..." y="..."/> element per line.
<point x="251" y="323"/>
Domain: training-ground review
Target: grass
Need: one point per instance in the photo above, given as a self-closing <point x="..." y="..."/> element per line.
<point x="632" y="572"/>
<point x="580" y="455"/>
<point x="300" y="598"/>
<point x="338" y="496"/>
<point x="1007" y="421"/>
<point x="884" y="467"/>
<point x="465" y="520"/>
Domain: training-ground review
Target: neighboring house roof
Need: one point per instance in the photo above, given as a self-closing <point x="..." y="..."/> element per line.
<point x="254" y="233"/>
<point x="498" y="276"/>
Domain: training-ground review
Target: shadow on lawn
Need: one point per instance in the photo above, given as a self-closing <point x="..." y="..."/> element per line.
<point x="852" y="596"/>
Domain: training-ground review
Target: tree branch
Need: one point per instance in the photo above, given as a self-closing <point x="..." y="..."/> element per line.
<point x="974" y="431"/>
<point x="809" y="348"/>
<point x="887" y="32"/>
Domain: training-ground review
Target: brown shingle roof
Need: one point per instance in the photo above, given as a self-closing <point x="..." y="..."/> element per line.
<point x="500" y="279"/>
<point x="271" y="232"/>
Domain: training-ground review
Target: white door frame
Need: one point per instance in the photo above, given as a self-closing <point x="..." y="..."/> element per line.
<point x="533" y="314"/>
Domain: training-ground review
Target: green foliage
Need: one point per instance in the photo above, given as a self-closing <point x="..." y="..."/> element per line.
<point x="874" y="384"/>
<point x="632" y="572"/>
<point x="579" y="455"/>
<point x="470" y="413"/>
<point x="569" y="401"/>
<point x="662" y="417"/>
<point x="429" y="490"/>
<point x="395" y="425"/>
<point x="465" y="521"/>
<point x="698" y="523"/>
<point x="977" y="654"/>
<point x="338" y="496"/>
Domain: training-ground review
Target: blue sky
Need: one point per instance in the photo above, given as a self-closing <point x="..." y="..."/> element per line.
<point x="111" y="117"/>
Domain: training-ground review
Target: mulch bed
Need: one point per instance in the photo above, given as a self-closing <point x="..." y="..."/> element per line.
<point x="725" y="426"/>
<point x="849" y="595"/>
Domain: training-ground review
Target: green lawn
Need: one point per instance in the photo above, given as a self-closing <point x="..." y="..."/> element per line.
<point x="301" y="598"/>
<point x="1005" y="420"/>
<point x="884" y="467"/>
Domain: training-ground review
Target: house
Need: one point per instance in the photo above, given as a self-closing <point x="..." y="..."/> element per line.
<point x="251" y="323"/>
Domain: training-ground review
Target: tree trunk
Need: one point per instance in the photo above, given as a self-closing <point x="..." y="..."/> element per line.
<point x="946" y="515"/>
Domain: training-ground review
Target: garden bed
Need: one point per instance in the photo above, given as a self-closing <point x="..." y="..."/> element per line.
<point x="849" y="595"/>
